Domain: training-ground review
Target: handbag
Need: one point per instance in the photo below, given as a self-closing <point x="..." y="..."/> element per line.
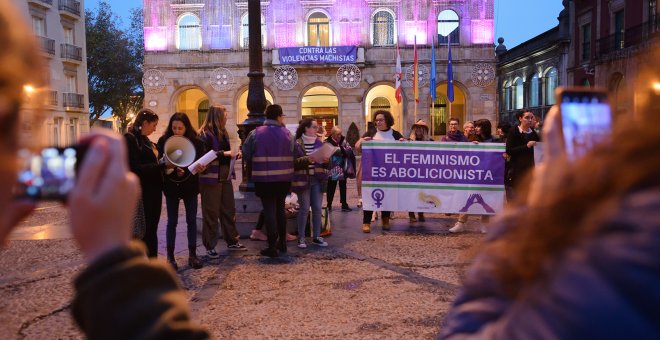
<point x="349" y="166"/>
<point x="326" y="228"/>
<point x="139" y="221"/>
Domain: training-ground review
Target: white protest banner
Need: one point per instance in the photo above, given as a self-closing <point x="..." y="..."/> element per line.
<point x="433" y="177"/>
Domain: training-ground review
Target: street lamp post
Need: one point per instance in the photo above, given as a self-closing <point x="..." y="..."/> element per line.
<point x="256" y="99"/>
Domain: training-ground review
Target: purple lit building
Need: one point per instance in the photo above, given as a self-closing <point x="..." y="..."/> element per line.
<point x="333" y="60"/>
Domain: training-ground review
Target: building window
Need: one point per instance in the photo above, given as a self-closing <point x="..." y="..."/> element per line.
<point x="68" y="36"/>
<point x="534" y="90"/>
<point x="189" y="33"/>
<point x="619" y="30"/>
<point x="507" y="96"/>
<point x="56" y="136"/>
<point x="586" y="42"/>
<point x="653" y="15"/>
<point x="245" y="31"/>
<point x="39" y="26"/>
<point x="519" y="93"/>
<point x="318" y="30"/>
<point x="550" y="85"/>
<point x="449" y="17"/>
<point x="383" y="28"/>
<point x="72" y="133"/>
<point x="71" y="84"/>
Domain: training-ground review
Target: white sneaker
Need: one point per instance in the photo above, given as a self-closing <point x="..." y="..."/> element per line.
<point x="359" y="205"/>
<point x="374" y="216"/>
<point x="302" y="244"/>
<point x="457" y="228"/>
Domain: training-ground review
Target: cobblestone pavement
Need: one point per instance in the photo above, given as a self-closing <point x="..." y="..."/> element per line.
<point x="397" y="284"/>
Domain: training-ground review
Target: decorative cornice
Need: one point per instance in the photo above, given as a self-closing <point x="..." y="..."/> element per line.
<point x="306" y="4"/>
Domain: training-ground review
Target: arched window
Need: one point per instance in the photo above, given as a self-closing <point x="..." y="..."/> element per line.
<point x="519" y="93"/>
<point x="245" y="31"/>
<point x="507" y="96"/>
<point x="189" y="33"/>
<point x="448" y="19"/>
<point x="551" y="82"/>
<point x="318" y="30"/>
<point x="380" y="103"/>
<point x="383" y="28"/>
<point x="534" y="90"/>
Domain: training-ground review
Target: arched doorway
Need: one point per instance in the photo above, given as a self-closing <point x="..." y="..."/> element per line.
<point x="442" y="109"/>
<point x="321" y="103"/>
<point x="195" y="104"/>
<point x="381" y="97"/>
<point x="241" y="106"/>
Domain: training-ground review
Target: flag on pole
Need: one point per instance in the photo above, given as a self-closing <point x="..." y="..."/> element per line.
<point x="432" y="79"/>
<point x="450" y="73"/>
<point x="415" y="74"/>
<point x="397" y="76"/>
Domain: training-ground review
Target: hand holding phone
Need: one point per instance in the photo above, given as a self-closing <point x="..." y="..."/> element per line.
<point x="586" y="119"/>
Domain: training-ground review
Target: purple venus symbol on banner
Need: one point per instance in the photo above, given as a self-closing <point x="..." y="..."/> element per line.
<point x="476" y="199"/>
<point x="378" y="196"/>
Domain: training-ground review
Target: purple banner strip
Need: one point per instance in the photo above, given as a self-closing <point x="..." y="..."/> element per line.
<point x="433" y="166"/>
<point x="318" y="55"/>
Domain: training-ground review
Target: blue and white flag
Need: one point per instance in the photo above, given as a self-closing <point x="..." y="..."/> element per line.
<point x="450" y="73"/>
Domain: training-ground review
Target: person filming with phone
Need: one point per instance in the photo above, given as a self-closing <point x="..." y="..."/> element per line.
<point x="121" y="294"/>
<point x="578" y="257"/>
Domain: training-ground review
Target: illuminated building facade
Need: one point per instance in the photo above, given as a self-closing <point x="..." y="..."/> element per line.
<point x="333" y="60"/>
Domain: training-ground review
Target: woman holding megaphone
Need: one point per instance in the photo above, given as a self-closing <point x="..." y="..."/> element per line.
<point x="179" y="146"/>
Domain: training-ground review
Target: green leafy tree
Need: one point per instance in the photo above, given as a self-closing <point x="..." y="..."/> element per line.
<point x="114" y="64"/>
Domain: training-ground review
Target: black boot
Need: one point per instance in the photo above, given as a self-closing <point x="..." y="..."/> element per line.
<point x="193" y="260"/>
<point x="170" y="258"/>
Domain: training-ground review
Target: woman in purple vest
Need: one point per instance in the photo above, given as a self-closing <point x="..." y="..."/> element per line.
<point x="215" y="185"/>
<point x="180" y="184"/>
<point x="310" y="180"/>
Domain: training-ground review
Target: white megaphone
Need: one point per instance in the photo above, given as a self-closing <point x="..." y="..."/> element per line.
<point x="179" y="151"/>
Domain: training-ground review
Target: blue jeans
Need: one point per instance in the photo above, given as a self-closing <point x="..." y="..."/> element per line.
<point x="311" y="196"/>
<point x="190" y="203"/>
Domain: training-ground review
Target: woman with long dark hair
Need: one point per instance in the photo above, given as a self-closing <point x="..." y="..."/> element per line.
<point x="143" y="161"/>
<point x="310" y="180"/>
<point x="520" y="147"/>
<point x="218" y="205"/>
<point x="180" y="184"/>
<point x="383" y="120"/>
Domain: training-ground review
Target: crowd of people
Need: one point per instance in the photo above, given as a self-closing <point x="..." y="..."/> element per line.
<point x="576" y="257"/>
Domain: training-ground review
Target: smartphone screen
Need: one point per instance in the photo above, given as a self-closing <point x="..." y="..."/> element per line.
<point x="586" y="120"/>
<point x="49" y="174"/>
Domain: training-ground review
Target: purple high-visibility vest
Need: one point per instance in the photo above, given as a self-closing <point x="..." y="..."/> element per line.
<point x="273" y="157"/>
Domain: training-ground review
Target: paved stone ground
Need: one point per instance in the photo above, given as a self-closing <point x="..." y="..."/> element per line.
<point x="397" y="284"/>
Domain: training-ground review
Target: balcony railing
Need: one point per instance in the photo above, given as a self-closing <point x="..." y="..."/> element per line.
<point x="47" y="45"/>
<point x="73" y="100"/>
<point x="629" y="38"/>
<point x="70" y="6"/>
<point x="71" y="52"/>
<point x="47" y="2"/>
<point x="51" y="99"/>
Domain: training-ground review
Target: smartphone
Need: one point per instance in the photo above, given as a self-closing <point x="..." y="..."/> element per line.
<point x="49" y="174"/>
<point x="586" y="119"/>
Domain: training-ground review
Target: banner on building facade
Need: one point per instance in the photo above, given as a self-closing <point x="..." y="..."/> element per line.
<point x="433" y="177"/>
<point x="318" y="55"/>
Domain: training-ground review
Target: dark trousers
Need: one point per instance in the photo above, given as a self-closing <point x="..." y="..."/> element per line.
<point x="332" y="186"/>
<point x="152" y="204"/>
<point x="272" y="196"/>
<point x="172" y="203"/>
<point x="367" y="215"/>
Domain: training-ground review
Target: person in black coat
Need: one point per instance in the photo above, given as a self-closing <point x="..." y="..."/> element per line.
<point x="180" y="184"/>
<point x="143" y="161"/>
<point x="520" y="144"/>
